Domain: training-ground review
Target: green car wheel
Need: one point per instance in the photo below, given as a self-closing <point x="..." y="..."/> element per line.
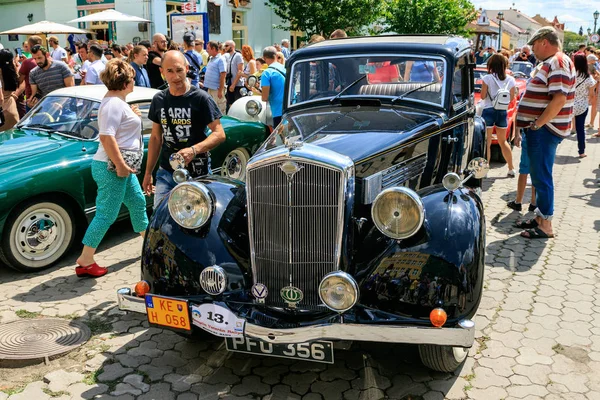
<point x="37" y="234"/>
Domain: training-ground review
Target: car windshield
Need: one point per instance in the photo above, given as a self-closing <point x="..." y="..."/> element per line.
<point x="523" y="67"/>
<point x="385" y="76"/>
<point x="68" y="115"/>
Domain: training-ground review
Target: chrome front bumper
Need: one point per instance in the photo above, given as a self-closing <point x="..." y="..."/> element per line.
<point x="461" y="336"/>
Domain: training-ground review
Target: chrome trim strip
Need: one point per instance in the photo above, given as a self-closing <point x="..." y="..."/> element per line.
<point x="90" y="210"/>
<point x="393" y="176"/>
<point x="462" y="336"/>
<point x="131" y="303"/>
<point x="413" y="56"/>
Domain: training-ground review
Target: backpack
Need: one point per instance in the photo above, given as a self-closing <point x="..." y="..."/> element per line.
<point x="502" y="98"/>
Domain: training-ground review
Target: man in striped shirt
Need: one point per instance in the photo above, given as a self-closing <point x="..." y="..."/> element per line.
<point x="545" y="111"/>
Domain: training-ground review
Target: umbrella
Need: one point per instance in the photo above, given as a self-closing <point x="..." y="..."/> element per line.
<point x="43" y="28"/>
<point x="109" y="16"/>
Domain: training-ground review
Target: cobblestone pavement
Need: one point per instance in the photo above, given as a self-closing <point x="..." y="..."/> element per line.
<point x="538" y="327"/>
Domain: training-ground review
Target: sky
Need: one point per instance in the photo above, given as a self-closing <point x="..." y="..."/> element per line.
<point x="574" y="13"/>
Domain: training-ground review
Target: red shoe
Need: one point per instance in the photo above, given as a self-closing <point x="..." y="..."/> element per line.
<point x="91" y="270"/>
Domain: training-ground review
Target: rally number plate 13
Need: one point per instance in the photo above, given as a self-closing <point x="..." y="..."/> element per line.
<point x="166" y="311"/>
<point x="318" y="350"/>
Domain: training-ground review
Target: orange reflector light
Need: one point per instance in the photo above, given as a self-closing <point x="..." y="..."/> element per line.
<point x="438" y="317"/>
<point x="141" y="288"/>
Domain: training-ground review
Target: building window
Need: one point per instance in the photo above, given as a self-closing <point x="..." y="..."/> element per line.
<point x="239" y="30"/>
<point x="214" y="18"/>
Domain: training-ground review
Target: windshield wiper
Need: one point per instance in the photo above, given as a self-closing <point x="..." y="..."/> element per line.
<point x="42" y="127"/>
<point x="337" y="96"/>
<point x="403" y="95"/>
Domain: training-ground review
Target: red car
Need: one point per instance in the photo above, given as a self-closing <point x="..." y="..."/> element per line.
<point x="480" y="72"/>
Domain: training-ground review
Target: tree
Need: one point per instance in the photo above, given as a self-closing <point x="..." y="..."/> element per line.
<point x="572" y="41"/>
<point x="429" y="16"/>
<point x="324" y="16"/>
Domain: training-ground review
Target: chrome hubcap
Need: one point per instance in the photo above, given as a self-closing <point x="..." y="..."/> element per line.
<point x="233" y="165"/>
<point x="460" y="353"/>
<point x="40" y="234"/>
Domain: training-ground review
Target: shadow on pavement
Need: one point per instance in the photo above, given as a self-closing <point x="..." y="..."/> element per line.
<point x="516" y="254"/>
<point x="566" y="160"/>
<point x="119" y="232"/>
<point x="54" y="289"/>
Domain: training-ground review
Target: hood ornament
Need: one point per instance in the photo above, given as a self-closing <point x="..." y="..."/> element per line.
<point x="290" y="168"/>
<point x="292" y="144"/>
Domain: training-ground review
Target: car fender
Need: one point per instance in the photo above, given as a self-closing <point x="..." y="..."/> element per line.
<point x="449" y="248"/>
<point x="238" y="110"/>
<point x="66" y="179"/>
<point x="173" y="257"/>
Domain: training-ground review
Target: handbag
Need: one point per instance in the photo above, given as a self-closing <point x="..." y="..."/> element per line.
<point x="133" y="158"/>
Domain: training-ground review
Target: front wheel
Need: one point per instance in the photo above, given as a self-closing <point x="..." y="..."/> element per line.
<point x="235" y="163"/>
<point x="36" y="235"/>
<point x="442" y="358"/>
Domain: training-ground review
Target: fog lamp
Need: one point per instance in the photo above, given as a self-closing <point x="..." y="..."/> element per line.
<point x="142" y="288"/>
<point x="398" y="212"/>
<point x="338" y="291"/>
<point x="438" y="317"/>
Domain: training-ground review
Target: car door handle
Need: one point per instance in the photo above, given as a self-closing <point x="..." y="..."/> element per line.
<point x="449" y="139"/>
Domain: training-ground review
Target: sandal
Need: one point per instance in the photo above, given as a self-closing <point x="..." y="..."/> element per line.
<point x="527" y="224"/>
<point x="536" y="233"/>
<point x="596" y="134"/>
<point x="91" y="270"/>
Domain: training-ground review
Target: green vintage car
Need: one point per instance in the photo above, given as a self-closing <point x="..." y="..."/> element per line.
<point x="47" y="194"/>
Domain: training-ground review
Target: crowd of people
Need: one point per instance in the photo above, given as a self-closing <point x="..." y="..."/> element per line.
<point x="199" y="83"/>
<point x="561" y="95"/>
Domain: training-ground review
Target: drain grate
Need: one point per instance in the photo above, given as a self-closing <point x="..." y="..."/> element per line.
<point x="40" y="338"/>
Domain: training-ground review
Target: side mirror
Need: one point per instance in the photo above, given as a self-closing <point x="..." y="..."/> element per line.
<point x="478" y="167"/>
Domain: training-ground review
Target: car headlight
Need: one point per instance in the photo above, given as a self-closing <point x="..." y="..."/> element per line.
<point x="190" y="205"/>
<point x="253" y="107"/>
<point x="251" y="81"/>
<point x="338" y="291"/>
<point x="398" y="212"/>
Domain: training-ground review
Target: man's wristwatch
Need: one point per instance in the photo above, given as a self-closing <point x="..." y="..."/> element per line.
<point x="534" y="126"/>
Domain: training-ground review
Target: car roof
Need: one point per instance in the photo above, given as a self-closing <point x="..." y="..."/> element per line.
<point x="97" y="92"/>
<point x="454" y="43"/>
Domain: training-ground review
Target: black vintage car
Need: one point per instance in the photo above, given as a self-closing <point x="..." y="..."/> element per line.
<point x="360" y="219"/>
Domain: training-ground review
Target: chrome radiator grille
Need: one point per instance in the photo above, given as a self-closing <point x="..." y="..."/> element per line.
<point x="295" y="222"/>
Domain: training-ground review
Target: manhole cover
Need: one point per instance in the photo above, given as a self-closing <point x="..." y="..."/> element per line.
<point x="40" y="338"/>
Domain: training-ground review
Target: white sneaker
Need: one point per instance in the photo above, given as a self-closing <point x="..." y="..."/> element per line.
<point x="511" y="173"/>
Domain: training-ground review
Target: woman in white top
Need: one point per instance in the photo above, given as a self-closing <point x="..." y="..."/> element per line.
<point x="584" y="93"/>
<point x="492" y="83"/>
<point x="120" y="133"/>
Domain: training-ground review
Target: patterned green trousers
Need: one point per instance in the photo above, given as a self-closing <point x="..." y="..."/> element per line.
<point x="112" y="192"/>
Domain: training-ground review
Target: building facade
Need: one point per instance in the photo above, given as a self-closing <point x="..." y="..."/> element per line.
<point x="248" y="22"/>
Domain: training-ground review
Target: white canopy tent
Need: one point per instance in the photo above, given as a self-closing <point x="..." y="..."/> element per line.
<point x="109" y="16"/>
